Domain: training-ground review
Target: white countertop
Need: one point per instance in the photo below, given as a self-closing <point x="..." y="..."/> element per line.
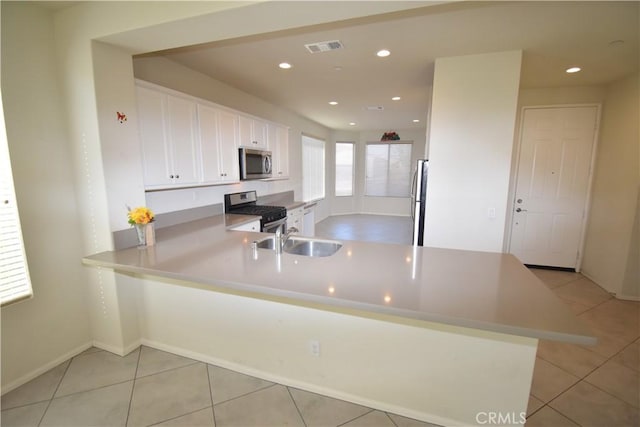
<point x="480" y="290"/>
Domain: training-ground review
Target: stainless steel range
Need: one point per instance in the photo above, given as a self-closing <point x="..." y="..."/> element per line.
<point x="246" y="203"/>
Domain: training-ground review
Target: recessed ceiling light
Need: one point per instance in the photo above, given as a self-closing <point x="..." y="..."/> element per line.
<point x="396" y="98"/>
<point x="573" y="70"/>
<point x="333" y="102"/>
<point x="284" y="65"/>
<point x="382" y="53"/>
<point x="416" y="121"/>
<point x="352" y="124"/>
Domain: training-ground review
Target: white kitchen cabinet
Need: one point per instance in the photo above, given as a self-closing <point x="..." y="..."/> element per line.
<point x="278" y="138"/>
<point x="252" y="132"/>
<point x="218" y="144"/>
<point x="250" y="226"/>
<point x="170" y="151"/>
<point x="188" y="141"/>
<point x="295" y="218"/>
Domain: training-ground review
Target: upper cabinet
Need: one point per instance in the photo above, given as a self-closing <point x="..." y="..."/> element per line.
<point x="168" y="136"/>
<point x="278" y="138"/>
<point x="252" y="132"/>
<point x="219" y="145"/>
<point x="188" y="141"/>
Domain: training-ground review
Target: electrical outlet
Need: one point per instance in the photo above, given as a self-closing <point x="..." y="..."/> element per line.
<point x="314" y="348"/>
<point x="491" y="213"/>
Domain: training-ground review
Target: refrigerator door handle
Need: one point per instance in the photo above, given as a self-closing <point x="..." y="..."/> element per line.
<point x="413" y="193"/>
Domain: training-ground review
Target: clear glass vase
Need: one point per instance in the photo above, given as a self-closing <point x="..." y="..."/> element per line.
<point x="141" y="232"/>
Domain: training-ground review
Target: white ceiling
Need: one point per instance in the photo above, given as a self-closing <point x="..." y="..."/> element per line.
<point x="553" y="36"/>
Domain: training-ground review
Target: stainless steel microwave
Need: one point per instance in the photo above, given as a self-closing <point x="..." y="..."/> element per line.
<point x="255" y="164"/>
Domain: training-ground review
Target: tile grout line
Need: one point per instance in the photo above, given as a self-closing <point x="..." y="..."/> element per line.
<point x="56" y="390"/>
<point x="296" y="406"/>
<point x="562" y="415"/>
<point x="391" y="419"/>
<point x="180" y="416"/>
<point x="615" y="397"/>
<point x="213" y="409"/>
<point x="133" y="386"/>
<point x="358" y="417"/>
<point x="247" y="394"/>
<point x="170" y="369"/>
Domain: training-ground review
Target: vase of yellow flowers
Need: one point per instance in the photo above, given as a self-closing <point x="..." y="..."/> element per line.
<point x="141" y="219"/>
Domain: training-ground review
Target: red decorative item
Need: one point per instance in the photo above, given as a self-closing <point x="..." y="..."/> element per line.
<point x="390" y="136"/>
<point x="121" y="117"/>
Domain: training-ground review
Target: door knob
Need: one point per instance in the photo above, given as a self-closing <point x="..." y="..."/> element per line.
<point x="520" y="210"/>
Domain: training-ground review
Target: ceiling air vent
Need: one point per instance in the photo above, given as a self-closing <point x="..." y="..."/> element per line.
<point x="324" y="46"/>
<point x="375" y="108"/>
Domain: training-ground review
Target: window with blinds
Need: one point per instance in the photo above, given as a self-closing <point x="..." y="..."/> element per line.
<point x="15" y="284"/>
<point x="344" y="169"/>
<point x="388" y="169"/>
<point x="312" y="169"/>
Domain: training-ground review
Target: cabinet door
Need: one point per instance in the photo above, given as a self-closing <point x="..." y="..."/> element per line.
<point x="260" y="134"/>
<point x="245" y="127"/>
<point x="184" y="144"/>
<point x="282" y="159"/>
<point x="252" y="132"/>
<point x="209" y="143"/>
<point x="295" y="218"/>
<point x="228" y="145"/>
<point x="156" y="157"/>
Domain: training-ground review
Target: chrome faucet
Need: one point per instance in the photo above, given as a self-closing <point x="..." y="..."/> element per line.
<point x="282" y="239"/>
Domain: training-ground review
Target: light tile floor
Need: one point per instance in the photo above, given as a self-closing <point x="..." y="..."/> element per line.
<point x="152" y="387"/>
<point x="368" y="228"/>
<point x="572" y="385"/>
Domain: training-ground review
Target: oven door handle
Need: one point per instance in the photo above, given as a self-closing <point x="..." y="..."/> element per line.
<point x="274" y="225"/>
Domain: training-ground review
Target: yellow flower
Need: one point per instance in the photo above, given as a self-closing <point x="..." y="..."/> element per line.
<point x="140" y="215"/>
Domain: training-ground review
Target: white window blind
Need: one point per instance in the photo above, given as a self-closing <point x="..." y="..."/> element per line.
<point x="312" y="169"/>
<point x="388" y="169"/>
<point x="344" y="168"/>
<point x="14" y="274"/>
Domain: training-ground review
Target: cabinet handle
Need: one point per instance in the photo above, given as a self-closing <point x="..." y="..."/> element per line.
<point x="177" y="176"/>
<point x="171" y="176"/>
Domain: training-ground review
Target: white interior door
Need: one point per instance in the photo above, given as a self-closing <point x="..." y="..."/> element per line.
<point x="556" y="150"/>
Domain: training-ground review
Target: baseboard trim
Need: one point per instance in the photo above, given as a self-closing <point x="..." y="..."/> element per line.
<point x="302" y="385"/>
<point x="627" y="297"/>
<point x="44" y="368"/>
<point x="120" y="351"/>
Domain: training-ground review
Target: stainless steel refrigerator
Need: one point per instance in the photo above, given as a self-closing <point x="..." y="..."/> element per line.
<point x="419" y="201"/>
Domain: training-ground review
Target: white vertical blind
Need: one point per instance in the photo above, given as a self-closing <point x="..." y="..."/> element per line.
<point x="312" y="168"/>
<point x="344" y="168"/>
<point x="14" y="274"/>
<point x="388" y="169"/>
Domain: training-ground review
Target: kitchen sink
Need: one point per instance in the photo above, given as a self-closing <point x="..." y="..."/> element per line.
<point x="304" y="246"/>
<point x="266" y="243"/>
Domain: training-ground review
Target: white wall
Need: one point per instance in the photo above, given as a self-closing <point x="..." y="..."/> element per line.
<point x="471" y="141"/>
<point x="43" y="331"/>
<point x="611" y="247"/>
<point x="413" y="368"/>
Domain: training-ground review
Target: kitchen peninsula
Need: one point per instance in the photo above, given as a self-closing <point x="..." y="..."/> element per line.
<point x="433" y="334"/>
